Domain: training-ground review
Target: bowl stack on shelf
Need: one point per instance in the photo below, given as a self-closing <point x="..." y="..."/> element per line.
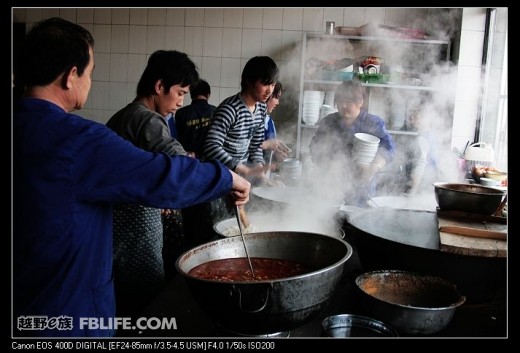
<point x="312" y="101"/>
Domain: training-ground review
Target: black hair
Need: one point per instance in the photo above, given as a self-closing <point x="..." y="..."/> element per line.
<point x="51" y="48"/>
<point x="200" y="88"/>
<point x="277" y="91"/>
<point x="259" y="68"/>
<point x="351" y="90"/>
<point x="170" y="66"/>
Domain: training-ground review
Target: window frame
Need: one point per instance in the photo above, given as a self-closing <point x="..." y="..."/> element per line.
<point x="492" y="125"/>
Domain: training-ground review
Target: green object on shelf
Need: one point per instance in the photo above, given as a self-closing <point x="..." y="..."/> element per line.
<point x="374" y="78"/>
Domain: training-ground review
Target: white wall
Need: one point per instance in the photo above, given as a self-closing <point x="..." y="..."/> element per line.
<point x="221" y="40"/>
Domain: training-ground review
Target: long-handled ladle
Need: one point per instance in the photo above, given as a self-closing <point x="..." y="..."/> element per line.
<point x="237" y="214"/>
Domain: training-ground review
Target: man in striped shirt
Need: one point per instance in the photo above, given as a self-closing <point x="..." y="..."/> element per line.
<point x="237" y="126"/>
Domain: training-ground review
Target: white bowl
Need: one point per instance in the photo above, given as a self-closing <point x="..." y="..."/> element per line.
<point x="367" y="137"/>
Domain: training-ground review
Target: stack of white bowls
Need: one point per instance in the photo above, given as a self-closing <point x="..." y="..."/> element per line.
<point x="312" y="101"/>
<point x="365" y="148"/>
<point x="290" y="171"/>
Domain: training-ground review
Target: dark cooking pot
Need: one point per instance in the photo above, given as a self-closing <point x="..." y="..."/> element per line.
<point x="409" y="240"/>
<point x="413" y="303"/>
<point x="468" y="197"/>
<point x="263" y="307"/>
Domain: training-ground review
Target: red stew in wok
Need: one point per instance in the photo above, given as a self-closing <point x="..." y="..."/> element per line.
<point x="237" y="269"/>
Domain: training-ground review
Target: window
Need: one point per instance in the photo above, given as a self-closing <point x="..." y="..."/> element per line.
<point x="494" y="122"/>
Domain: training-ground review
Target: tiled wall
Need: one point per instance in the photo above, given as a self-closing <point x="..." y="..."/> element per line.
<point x="220" y="41"/>
<point x="469" y="76"/>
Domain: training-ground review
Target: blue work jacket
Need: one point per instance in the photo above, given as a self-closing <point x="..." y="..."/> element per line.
<point x="67" y="174"/>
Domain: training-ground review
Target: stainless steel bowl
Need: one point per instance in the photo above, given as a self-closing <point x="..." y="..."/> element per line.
<point x="348" y="325"/>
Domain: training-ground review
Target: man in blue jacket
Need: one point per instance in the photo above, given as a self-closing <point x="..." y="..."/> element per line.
<point x="68" y="172"/>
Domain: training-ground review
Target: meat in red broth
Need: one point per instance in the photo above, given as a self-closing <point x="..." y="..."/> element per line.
<point x="237" y="269"/>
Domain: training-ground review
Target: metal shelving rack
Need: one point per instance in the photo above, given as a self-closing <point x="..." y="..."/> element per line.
<point x="380" y="47"/>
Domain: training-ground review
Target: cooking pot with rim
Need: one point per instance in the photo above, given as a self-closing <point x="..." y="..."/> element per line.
<point x="413" y="303"/>
<point x="268" y="306"/>
<point x="468" y="197"/>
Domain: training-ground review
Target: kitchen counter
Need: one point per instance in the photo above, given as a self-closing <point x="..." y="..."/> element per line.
<point x="477" y="320"/>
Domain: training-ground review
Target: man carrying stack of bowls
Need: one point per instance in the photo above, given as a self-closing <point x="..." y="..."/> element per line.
<point x="351" y="161"/>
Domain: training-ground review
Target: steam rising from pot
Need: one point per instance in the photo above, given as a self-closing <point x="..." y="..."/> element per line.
<point x="431" y="80"/>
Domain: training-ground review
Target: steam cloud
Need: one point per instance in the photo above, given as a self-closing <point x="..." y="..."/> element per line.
<point x="424" y="67"/>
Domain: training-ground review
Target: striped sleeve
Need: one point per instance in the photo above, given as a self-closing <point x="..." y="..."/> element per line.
<point x="256" y="155"/>
<point x="235" y="133"/>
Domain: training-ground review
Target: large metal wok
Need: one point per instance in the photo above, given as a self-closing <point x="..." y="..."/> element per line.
<point x="409" y="240"/>
<point x="266" y="307"/>
<point x="468" y="197"/>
